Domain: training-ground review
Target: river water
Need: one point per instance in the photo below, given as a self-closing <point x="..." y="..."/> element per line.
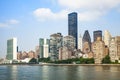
<point x="28" y="72"/>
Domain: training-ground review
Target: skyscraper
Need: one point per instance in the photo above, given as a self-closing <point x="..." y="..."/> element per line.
<point x="96" y="34"/>
<point x="98" y="48"/>
<point x="41" y="43"/>
<point x="55" y="43"/>
<point x="12" y="49"/>
<point x="107" y="38"/>
<point x="113" y="49"/>
<point x="69" y="41"/>
<point x="72" y="26"/>
<point x="86" y="42"/>
<point x="80" y="42"/>
<point x="117" y="38"/>
<point x="44" y="47"/>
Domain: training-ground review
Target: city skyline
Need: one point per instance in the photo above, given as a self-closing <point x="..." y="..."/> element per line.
<point x="30" y="20"/>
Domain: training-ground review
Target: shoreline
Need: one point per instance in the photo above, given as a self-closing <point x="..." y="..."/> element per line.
<point x="49" y="64"/>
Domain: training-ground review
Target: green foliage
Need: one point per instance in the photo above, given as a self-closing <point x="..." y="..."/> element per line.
<point x="116" y="61"/>
<point x="76" y="60"/>
<point x="106" y="60"/>
<point x="86" y="60"/>
<point x="33" y="60"/>
<point x="69" y="61"/>
<point x="44" y="59"/>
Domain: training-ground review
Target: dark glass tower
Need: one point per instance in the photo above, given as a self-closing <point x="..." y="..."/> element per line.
<point x="86" y="38"/>
<point x="72" y="26"/>
<point x="96" y="34"/>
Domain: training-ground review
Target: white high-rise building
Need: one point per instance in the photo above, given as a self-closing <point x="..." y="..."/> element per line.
<point x="80" y="42"/>
<point x="12" y="49"/>
<point x="113" y="50"/>
<point x="107" y="38"/>
<point x="44" y="48"/>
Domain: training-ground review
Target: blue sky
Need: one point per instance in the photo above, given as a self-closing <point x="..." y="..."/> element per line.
<point x="29" y="20"/>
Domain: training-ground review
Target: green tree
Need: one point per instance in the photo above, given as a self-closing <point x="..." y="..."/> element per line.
<point x="44" y="59"/>
<point x="33" y="60"/>
<point x="106" y="60"/>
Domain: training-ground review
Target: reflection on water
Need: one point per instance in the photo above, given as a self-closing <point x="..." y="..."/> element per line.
<point x="26" y="72"/>
<point x="14" y="72"/>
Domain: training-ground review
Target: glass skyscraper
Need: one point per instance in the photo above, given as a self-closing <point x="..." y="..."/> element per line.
<point x="96" y="34"/>
<point x="12" y="49"/>
<point x="72" y="26"/>
<point x="86" y="42"/>
<point x="44" y="48"/>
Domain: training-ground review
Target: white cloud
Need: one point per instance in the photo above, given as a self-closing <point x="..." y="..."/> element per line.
<point x="3" y="25"/>
<point x="9" y="22"/>
<point x="43" y="14"/>
<point x="118" y="10"/>
<point x="88" y="10"/>
<point x="13" y="21"/>
<point x="89" y="4"/>
<point x="90" y="15"/>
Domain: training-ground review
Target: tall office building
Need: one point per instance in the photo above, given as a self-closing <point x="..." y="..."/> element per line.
<point x="80" y="42"/>
<point x="66" y="51"/>
<point x="55" y="43"/>
<point x="113" y="49"/>
<point x="107" y="38"/>
<point x="69" y="41"/>
<point x="12" y="49"/>
<point x="44" y="48"/>
<point x="98" y="48"/>
<point x="41" y="43"/>
<point x="86" y="42"/>
<point x="72" y="26"/>
<point x="117" y="38"/>
<point x="96" y="34"/>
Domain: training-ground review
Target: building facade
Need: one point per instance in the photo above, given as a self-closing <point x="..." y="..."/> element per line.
<point x="72" y="27"/>
<point x="80" y="42"/>
<point x="12" y="49"/>
<point x="113" y="50"/>
<point x="55" y="43"/>
<point x="66" y="51"/>
<point x="98" y="48"/>
<point x="44" y="47"/>
<point x="31" y="54"/>
<point x="69" y="41"/>
<point x="96" y="34"/>
<point x="41" y="43"/>
<point x="107" y="38"/>
<point x="117" y="38"/>
<point x="86" y="42"/>
<point x="19" y="55"/>
<point x="37" y="51"/>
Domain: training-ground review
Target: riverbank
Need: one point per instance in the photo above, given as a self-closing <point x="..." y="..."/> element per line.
<point x="50" y="64"/>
